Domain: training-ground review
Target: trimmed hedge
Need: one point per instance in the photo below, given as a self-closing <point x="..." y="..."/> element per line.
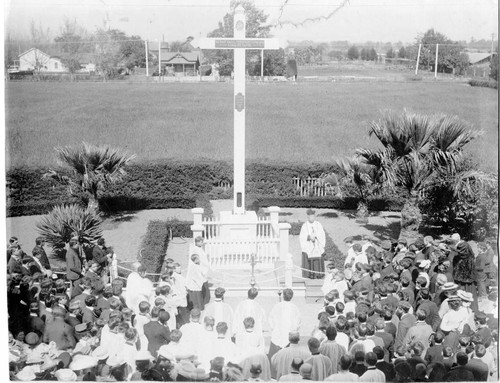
<point x="483" y="83"/>
<point x="327" y="202"/>
<point x="175" y="184"/>
<point x="154" y="246"/>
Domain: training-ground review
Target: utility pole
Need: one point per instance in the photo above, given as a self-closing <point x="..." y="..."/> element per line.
<point x="436" y="68"/>
<point x="418" y="59"/>
<point x="147" y="60"/>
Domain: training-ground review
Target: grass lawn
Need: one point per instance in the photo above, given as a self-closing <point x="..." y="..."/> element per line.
<point x="285" y="121"/>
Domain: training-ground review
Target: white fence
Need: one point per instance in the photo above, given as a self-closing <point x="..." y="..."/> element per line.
<point x="311" y="187"/>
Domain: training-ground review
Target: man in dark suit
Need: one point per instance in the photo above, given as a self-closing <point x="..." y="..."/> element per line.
<point x="35" y="323"/>
<point x="460" y="373"/>
<point x="59" y="331"/>
<point x="74" y="266"/>
<point x="387" y="338"/>
<point x="386" y="367"/>
<point x="475" y="365"/>
<point x="406" y="321"/>
<point x="157" y="330"/>
<point x="99" y="256"/>
<point x="40" y="254"/>
<point x="434" y="353"/>
<point x="390" y="327"/>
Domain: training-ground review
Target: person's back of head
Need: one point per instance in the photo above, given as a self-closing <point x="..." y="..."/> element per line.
<point x="164" y="317"/>
<point x="305" y="371"/>
<point x="370" y="329"/>
<point x="417" y="348"/>
<point x="195" y="315"/>
<point x="155" y="312"/>
<point x="345" y="362"/>
<point x="341" y="323"/>
<point x="371" y="359"/>
<point x="362" y="330"/>
<point x="313" y="344"/>
<point x="331" y="332"/>
<point x="248" y="323"/>
<point x="362" y="317"/>
<point x="480" y="350"/>
<point x="359" y="357"/>
<point x="421" y="315"/>
<point x="462" y="358"/>
<point x="221" y="328"/>
<point x="252" y="293"/>
<point x="296" y="363"/>
<point x="209" y="321"/>
<point x="330" y="310"/>
<point x="379" y="352"/>
<point x="175" y="335"/>
<point x="339" y="307"/>
<point x="387" y="315"/>
<point x="447" y="352"/>
<point x="438" y="337"/>
<point x="294" y="337"/>
<point x="144" y="307"/>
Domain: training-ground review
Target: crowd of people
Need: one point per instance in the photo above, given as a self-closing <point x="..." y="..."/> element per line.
<point x="395" y="312"/>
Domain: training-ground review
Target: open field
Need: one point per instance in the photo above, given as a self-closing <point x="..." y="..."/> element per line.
<point x="286" y="122"/>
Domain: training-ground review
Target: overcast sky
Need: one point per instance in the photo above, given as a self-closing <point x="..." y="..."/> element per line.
<point x="356" y="21"/>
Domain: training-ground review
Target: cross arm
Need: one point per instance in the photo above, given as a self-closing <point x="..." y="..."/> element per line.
<point x="243" y="43"/>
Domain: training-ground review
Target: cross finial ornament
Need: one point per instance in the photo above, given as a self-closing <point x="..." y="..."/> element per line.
<point x="239" y="43"/>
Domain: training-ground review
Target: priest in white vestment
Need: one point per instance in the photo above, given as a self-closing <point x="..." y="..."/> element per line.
<point x="312" y="243"/>
<point x="219" y="310"/>
<point x="139" y="288"/>
<point x="249" y="308"/>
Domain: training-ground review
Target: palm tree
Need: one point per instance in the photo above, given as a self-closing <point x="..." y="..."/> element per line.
<point x="67" y="221"/>
<point x="418" y="152"/>
<point x="355" y="177"/>
<point x="92" y="168"/>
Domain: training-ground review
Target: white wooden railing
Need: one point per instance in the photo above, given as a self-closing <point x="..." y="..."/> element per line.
<point x="265" y="239"/>
<point x="311" y="186"/>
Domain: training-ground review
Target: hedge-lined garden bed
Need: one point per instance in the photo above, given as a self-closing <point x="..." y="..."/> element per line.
<point x="155" y="243"/>
<point x="178" y="184"/>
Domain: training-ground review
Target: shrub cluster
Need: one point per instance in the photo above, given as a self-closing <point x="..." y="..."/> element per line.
<point x="483" y="83"/>
<point x="154" y="246"/>
<point x="176" y="184"/>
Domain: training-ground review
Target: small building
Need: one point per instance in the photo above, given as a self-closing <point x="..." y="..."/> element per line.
<point x="35" y="59"/>
<point x="480" y="58"/>
<point x="181" y="63"/>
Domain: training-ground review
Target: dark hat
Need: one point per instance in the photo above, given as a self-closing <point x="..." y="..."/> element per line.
<point x="386" y="245"/>
<point x="403" y="369"/>
<point x="310" y="212"/>
<point x="349" y="294"/>
<point x="82" y="327"/>
<point x="480" y="315"/>
<point x="405" y="304"/>
<point x="65" y="359"/>
<point x="424" y="292"/>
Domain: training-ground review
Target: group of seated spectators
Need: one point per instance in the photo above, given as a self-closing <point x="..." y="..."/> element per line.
<point x="395" y="312"/>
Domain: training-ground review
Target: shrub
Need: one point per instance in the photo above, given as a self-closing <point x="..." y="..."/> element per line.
<point x="154" y="246"/>
<point x="66" y="221"/>
<point x="414" y="77"/>
<point x="483" y="83"/>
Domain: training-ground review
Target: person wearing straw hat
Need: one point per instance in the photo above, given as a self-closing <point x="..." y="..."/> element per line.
<point x="449" y="289"/>
<point x="312" y="243"/>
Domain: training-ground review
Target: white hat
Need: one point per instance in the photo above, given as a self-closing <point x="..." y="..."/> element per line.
<point x="100" y="353"/>
<point x="455" y="237"/>
<point x="65" y="375"/>
<point x="82" y="362"/>
<point x="26" y="374"/>
<point x="465" y="296"/>
<point x="143" y="355"/>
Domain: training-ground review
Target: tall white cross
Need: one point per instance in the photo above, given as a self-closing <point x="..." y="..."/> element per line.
<point x="239" y="43"/>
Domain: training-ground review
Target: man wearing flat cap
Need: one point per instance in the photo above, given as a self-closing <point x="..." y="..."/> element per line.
<point x="312" y="243"/>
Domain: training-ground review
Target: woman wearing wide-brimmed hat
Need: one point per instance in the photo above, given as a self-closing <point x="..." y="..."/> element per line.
<point x="464" y="271"/>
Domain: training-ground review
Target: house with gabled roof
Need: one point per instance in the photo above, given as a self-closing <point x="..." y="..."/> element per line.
<point x="181" y="63"/>
<point x="38" y="60"/>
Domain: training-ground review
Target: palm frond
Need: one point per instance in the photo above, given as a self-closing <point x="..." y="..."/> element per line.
<point x="65" y="221"/>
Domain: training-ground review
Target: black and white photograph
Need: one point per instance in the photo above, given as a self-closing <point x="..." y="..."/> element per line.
<point x="250" y="190"/>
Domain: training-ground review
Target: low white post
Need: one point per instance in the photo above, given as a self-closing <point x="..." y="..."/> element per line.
<point x="436" y="64"/>
<point x="284" y="228"/>
<point x="197" y="226"/>
<point x="274" y="212"/>
<point x="289" y="271"/>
